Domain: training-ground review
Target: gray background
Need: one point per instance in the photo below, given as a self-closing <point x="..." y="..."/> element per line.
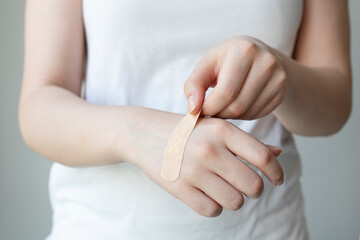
<point x="330" y="165"/>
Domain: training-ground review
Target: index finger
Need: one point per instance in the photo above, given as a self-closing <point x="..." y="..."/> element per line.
<point x="228" y="85"/>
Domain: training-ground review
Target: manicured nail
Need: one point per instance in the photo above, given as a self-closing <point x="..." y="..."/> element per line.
<point x="191" y="103"/>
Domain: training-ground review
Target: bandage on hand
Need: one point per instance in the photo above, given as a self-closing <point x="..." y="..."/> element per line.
<point x="175" y="148"/>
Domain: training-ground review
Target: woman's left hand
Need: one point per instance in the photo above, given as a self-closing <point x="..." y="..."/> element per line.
<point x="248" y="78"/>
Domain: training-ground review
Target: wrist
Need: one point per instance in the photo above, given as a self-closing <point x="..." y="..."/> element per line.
<point x="142" y="132"/>
<point x="286" y="62"/>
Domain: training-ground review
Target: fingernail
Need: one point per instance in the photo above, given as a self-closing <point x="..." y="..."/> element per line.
<point x="191" y="103"/>
<point x="280" y="182"/>
<point x="278" y="151"/>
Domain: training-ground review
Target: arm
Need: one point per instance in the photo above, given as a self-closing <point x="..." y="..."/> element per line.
<point x="54" y="120"/>
<point x="319" y="95"/>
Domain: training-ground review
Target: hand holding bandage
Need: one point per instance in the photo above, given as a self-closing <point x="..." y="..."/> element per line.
<point x="248" y="77"/>
<point x="239" y="93"/>
<point x="206" y="157"/>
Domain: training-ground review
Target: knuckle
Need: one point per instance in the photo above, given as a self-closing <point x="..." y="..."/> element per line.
<point x="179" y="187"/>
<point x="236" y="110"/>
<point x="191" y="172"/>
<point x="209" y="210"/>
<point x="280" y="87"/>
<point x="248" y="115"/>
<point x="186" y="86"/>
<point x="221" y="126"/>
<point x="249" y="47"/>
<point x="236" y="203"/>
<point x="189" y="81"/>
<point x="281" y="97"/>
<point x="265" y="156"/>
<point x="256" y="187"/>
<point x="280" y="83"/>
<point x="282" y="77"/>
<point x="270" y="62"/>
<point x="206" y="149"/>
<point x="228" y="93"/>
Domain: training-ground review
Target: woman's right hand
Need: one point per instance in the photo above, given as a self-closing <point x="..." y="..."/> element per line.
<point x="211" y="176"/>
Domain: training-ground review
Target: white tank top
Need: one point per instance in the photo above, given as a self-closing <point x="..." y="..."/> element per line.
<point x="140" y="52"/>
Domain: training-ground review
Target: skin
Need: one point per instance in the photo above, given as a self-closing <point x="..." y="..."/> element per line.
<point x="57" y="123"/>
<point x="310" y="94"/>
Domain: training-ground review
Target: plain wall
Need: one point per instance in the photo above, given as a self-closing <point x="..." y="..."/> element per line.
<point x="331" y="165"/>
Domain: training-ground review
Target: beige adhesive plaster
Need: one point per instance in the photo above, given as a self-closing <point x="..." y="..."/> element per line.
<point x="171" y="165"/>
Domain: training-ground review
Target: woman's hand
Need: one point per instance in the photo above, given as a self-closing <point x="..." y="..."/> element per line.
<point x="211" y="176"/>
<point x="248" y="78"/>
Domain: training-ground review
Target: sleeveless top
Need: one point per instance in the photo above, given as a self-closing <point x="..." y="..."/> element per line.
<point x="140" y="52"/>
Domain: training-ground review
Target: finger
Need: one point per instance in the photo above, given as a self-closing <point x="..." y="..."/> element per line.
<point x="275" y="150"/>
<point x="265" y="97"/>
<point x="199" y="201"/>
<point x="200" y="79"/>
<point x="238" y="174"/>
<point x="220" y="190"/>
<point x="272" y="88"/>
<point x="257" y="78"/>
<point x="271" y="106"/>
<point x="229" y="82"/>
<point x="255" y="152"/>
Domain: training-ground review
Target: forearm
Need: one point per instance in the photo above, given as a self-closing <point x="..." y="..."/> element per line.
<point x="318" y="100"/>
<point x="66" y="129"/>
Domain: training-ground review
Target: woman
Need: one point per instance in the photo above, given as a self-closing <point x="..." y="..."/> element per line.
<point x="275" y="68"/>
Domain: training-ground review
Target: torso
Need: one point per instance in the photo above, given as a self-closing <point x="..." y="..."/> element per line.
<point x="140" y="53"/>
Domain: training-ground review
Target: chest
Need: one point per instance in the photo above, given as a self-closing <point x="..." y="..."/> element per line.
<point x="192" y="25"/>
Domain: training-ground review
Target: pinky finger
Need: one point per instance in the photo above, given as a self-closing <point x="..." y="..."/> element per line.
<point x="270" y="106"/>
<point x="200" y="202"/>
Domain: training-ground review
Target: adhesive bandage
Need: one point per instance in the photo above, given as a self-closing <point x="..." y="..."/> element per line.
<point x="175" y="148"/>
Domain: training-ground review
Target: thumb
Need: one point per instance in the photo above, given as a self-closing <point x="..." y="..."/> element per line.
<point x="275" y="150"/>
<point x="195" y="98"/>
<point x="201" y="78"/>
